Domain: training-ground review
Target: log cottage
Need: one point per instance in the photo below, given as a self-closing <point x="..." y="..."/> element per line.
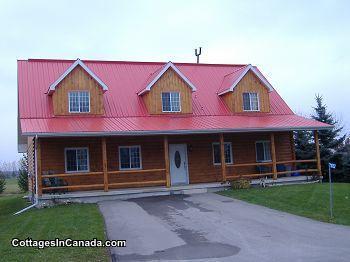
<point x="104" y="126"/>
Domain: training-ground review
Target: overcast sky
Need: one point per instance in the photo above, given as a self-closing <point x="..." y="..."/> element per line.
<point x="302" y="47"/>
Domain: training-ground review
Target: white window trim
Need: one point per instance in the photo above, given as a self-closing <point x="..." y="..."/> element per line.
<point x="78" y="112"/>
<point x="231" y="155"/>
<point x="65" y="159"/>
<point x="161" y="97"/>
<point x="134" y="168"/>
<point x="250" y="102"/>
<point x="256" y="151"/>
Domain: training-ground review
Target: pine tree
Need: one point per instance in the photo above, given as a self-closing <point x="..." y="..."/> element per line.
<point x="331" y="141"/>
<point x="304" y="148"/>
<point x="22" y="179"/>
<point x="2" y="182"/>
<point x="345" y="151"/>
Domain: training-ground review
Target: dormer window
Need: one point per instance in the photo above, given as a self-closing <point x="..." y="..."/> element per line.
<point x="171" y="102"/>
<point x="251" y="102"/>
<point x="79" y="101"/>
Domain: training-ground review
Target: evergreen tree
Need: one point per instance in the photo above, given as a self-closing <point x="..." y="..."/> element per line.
<point x="346" y="160"/>
<point x="304" y="148"/>
<point x="2" y="182"/>
<point x="22" y="179"/>
<point x="331" y="141"/>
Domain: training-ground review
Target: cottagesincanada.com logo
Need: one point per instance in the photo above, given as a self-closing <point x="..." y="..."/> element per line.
<point x="68" y="242"/>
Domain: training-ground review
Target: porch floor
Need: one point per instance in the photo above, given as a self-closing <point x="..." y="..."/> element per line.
<point x="127" y="193"/>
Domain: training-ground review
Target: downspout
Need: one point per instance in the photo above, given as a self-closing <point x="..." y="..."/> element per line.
<point x="36" y="181"/>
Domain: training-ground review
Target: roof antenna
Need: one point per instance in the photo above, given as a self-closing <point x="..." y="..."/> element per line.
<point x="198" y="53"/>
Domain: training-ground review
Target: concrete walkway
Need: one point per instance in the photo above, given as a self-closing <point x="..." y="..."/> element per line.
<point x="210" y="227"/>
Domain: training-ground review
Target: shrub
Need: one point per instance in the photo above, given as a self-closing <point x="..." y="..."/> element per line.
<point x="2" y="182"/>
<point x="240" y="184"/>
<point x="22" y="179"/>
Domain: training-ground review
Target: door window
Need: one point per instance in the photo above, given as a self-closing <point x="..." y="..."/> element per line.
<point x="177" y="159"/>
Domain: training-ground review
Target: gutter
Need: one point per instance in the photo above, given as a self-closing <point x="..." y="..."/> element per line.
<point x="36" y="183"/>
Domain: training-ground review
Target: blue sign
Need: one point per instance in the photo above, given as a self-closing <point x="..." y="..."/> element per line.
<point x="332" y="165"/>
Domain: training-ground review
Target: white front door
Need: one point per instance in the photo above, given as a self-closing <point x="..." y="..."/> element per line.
<point x="178" y="164"/>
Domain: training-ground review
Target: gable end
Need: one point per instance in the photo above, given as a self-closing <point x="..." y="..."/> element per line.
<point x="256" y="72"/>
<point x="80" y="63"/>
<point x="162" y="72"/>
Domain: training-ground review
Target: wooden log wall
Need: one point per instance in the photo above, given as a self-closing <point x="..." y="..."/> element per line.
<point x="31" y="164"/>
<point x="200" y="157"/>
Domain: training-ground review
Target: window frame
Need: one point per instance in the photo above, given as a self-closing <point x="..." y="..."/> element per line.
<point x="250" y="102"/>
<point x="256" y="151"/>
<point x="76" y="148"/>
<point x="119" y="156"/>
<point x="171" y="92"/>
<point x="231" y="154"/>
<point x="78" y="112"/>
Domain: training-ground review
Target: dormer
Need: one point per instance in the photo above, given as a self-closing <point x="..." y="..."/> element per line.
<point x="168" y="91"/>
<point x="78" y="91"/>
<point x="246" y="90"/>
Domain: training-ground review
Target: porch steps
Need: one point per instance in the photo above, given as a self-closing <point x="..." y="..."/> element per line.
<point x="189" y="191"/>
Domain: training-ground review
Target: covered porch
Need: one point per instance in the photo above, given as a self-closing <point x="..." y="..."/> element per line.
<point x="158" y="161"/>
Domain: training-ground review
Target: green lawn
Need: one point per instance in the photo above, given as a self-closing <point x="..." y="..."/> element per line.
<point x="11" y="186"/>
<point x="311" y="200"/>
<point x="78" y="221"/>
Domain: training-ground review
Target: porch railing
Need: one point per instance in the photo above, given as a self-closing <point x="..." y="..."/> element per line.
<point x="161" y="182"/>
<point x="271" y="173"/>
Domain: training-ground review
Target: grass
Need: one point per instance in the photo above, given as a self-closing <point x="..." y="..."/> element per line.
<point x="11" y="186"/>
<point x="76" y="221"/>
<point x="311" y="200"/>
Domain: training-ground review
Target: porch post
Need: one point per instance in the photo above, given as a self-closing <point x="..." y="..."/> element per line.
<point x="273" y="156"/>
<point x="166" y="161"/>
<point x="318" y="157"/>
<point x="222" y="153"/>
<point x="104" y="164"/>
<point x="39" y="167"/>
<point x="292" y="142"/>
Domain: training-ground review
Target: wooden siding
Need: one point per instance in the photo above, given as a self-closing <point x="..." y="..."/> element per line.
<point x="78" y="79"/>
<point x="169" y="82"/>
<point x="249" y="83"/>
<point x="200" y="156"/>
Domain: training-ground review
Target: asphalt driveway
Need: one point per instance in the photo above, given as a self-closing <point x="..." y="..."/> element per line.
<point x="210" y="227"/>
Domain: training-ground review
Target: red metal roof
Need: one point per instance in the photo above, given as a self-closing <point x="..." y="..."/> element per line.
<point x="125" y="111"/>
<point x="230" y="78"/>
<point x="166" y="125"/>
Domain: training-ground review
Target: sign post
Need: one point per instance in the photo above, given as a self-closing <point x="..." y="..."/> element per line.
<point x="331" y="166"/>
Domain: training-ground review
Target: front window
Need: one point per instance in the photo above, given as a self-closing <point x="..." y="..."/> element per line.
<point x="77" y="159"/>
<point x="217" y="153"/>
<point x="171" y="102"/>
<point x="129" y="157"/>
<point x="250" y="102"/>
<point x="79" y="101"/>
<point x="263" y="153"/>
